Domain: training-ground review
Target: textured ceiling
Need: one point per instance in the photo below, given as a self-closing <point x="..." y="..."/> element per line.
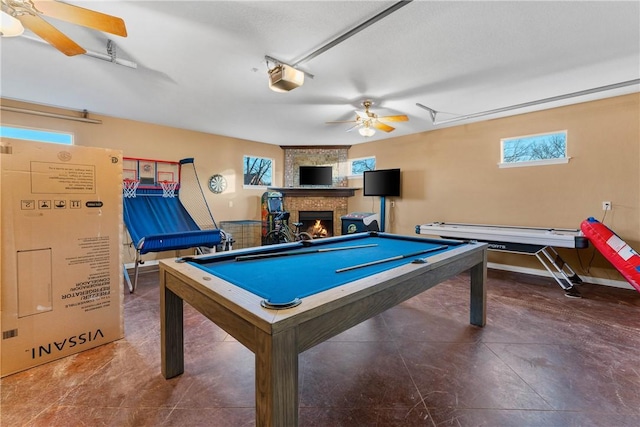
<point x="201" y="64"/>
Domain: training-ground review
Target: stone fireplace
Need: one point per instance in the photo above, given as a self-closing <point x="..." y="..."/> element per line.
<point x="335" y="156"/>
<point x="333" y="200"/>
<point x="329" y="204"/>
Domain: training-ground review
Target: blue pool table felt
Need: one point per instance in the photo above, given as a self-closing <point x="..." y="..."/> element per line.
<point x="281" y="280"/>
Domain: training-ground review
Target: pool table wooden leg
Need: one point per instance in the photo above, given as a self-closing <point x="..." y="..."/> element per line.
<point x="478" y="309"/>
<point x="171" y="333"/>
<point x="276" y="378"/>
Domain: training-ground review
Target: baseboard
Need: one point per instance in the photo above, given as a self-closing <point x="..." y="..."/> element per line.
<point x="537" y="272"/>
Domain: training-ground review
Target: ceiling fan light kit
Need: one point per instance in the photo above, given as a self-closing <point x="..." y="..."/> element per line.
<point x="284" y="78"/>
<point x="366" y="131"/>
<point x="10" y="26"/>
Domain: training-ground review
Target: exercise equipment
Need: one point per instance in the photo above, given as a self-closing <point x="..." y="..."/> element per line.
<point x="155" y="216"/>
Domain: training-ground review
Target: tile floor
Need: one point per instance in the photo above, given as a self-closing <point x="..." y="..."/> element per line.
<point x="542" y="360"/>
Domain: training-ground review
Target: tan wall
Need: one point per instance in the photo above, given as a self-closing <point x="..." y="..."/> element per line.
<point x="452" y="175"/>
<point x="212" y="154"/>
<point x="448" y="174"/>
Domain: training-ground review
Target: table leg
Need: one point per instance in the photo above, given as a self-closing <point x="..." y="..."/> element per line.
<point x="478" y="308"/>
<point x="171" y="333"/>
<point x="277" y="379"/>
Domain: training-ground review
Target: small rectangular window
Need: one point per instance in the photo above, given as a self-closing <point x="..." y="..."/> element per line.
<point x="36" y="135"/>
<point x="530" y="150"/>
<point x="258" y="171"/>
<point x="358" y="166"/>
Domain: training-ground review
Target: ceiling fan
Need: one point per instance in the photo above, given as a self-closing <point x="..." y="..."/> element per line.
<point x="366" y="121"/>
<point x="30" y="13"/>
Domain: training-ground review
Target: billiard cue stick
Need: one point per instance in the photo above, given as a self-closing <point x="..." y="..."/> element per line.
<point x="395" y="258"/>
<point x="310" y="251"/>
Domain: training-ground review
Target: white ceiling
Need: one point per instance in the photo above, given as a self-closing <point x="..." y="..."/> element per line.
<point x="201" y="64"/>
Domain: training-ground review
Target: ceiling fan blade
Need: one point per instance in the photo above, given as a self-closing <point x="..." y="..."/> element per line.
<point x="382" y="126"/>
<point x="399" y="118"/>
<point x="354" y="127"/>
<point x="341" y="121"/>
<point x="85" y="17"/>
<point x="363" y="114"/>
<point x="51" y="34"/>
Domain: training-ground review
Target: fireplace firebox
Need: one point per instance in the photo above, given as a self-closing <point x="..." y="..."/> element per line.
<point x="316" y="223"/>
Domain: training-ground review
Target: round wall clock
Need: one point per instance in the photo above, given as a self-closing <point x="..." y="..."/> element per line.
<point x="217" y="183"/>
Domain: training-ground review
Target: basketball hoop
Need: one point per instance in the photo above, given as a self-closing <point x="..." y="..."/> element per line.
<point x="129" y="187"/>
<point x="168" y="188"/>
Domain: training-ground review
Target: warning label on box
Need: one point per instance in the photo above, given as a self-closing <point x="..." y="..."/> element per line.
<point x="95" y="253"/>
<point x="62" y="178"/>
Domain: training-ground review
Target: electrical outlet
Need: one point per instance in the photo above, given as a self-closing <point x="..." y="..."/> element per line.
<point x="606" y="206"/>
<point x="393" y="204"/>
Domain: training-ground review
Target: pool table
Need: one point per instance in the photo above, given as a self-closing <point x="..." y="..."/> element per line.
<point x="281" y="300"/>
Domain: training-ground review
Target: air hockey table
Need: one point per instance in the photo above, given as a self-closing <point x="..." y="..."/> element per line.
<point x="538" y="241"/>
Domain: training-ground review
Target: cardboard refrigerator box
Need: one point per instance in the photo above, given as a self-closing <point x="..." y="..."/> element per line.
<point x="61" y="277"/>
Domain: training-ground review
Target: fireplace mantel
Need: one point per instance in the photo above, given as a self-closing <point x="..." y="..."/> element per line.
<point x="315" y="192"/>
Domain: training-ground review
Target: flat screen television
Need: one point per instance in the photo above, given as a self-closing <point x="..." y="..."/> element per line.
<point x="316" y="175"/>
<point x="382" y="182"/>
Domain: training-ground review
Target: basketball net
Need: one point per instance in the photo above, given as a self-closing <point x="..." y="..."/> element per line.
<point x="129" y="187"/>
<point x="168" y="188"/>
<point x="192" y="197"/>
